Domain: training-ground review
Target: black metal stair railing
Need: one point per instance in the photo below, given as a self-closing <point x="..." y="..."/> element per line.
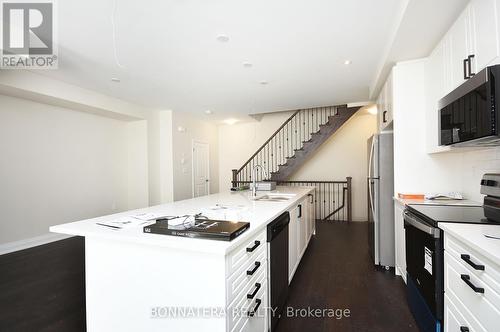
<point x="332" y="199"/>
<point x="283" y="144"/>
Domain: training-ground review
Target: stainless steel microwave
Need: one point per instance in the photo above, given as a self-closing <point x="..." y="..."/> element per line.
<point x="468" y="116"/>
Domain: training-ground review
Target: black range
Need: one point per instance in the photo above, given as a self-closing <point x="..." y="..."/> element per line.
<point x="425" y="254"/>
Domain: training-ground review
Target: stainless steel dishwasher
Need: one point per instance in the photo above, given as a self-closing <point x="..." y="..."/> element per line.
<point x="277" y="250"/>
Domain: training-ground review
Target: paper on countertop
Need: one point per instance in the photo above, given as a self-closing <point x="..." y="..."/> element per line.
<point x="444" y="196"/>
<point x="146" y="216"/>
<point x="124" y="222"/>
<point x="225" y="212"/>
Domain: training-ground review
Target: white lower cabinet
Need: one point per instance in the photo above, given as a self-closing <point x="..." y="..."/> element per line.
<point x="246" y="286"/>
<point x="472" y="289"/>
<point x="299" y="233"/>
<point x="400" y="239"/>
<point x="247" y="271"/>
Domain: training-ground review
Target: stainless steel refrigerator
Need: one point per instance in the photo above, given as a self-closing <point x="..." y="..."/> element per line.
<point x="380" y="198"/>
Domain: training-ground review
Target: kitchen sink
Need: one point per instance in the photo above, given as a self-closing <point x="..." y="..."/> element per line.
<point x="277" y="197"/>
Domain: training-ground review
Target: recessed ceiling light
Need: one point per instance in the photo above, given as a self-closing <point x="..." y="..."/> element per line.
<point x="347" y="62"/>
<point x="223" y="38"/>
<point x="373" y="110"/>
<point x="263" y="82"/>
<point x="208" y="112"/>
<point x="247" y="64"/>
<point x="230" y="121"/>
<point x="116" y="80"/>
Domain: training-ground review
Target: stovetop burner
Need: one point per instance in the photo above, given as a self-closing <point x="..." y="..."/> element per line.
<point x="434" y="214"/>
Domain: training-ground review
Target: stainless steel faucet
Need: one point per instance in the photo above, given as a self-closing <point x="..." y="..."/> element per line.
<point x="254" y="178"/>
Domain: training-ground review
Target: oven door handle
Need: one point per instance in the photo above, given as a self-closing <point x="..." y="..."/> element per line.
<point x="412" y="221"/>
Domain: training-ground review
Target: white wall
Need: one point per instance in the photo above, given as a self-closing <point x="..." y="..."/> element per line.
<point x="239" y="141"/>
<point x="161" y="189"/>
<point x="196" y="128"/>
<point x="343" y="155"/>
<point x="416" y="171"/>
<point x="58" y="165"/>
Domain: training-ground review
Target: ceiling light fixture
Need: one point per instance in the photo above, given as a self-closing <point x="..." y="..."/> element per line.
<point x="230" y="121"/>
<point x="116" y="80"/>
<point x="223" y="38"/>
<point x="263" y="82"/>
<point x="373" y="110"/>
<point x="208" y="112"/>
<point x="347" y="62"/>
<point x="247" y="64"/>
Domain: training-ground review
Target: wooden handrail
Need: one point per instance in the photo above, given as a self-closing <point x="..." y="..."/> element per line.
<point x="269" y="139"/>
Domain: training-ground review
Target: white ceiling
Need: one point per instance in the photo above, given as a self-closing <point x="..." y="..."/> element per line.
<point x="168" y="56"/>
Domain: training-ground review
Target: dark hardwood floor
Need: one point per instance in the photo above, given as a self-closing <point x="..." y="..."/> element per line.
<point x="43" y="288"/>
<point x="336" y="272"/>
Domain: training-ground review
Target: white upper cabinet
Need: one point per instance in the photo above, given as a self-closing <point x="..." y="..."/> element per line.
<point x="460" y="48"/>
<point x="470" y="45"/>
<point x="484" y="33"/>
<point x="474" y="40"/>
<point x="385" y="104"/>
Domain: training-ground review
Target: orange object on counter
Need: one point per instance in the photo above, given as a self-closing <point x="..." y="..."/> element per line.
<point x="411" y="196"/>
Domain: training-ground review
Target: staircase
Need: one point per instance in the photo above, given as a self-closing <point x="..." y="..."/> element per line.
<point x="294" y="143"/>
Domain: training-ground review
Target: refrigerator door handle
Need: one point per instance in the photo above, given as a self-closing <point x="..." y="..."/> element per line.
<point x="371" y="159"/>
<point x="370" y="178"/>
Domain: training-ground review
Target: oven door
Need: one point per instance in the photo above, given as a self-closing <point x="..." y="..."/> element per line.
<point x="424" y="266"/>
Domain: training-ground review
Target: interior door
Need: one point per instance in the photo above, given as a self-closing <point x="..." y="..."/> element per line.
<point x="201" y="181"/>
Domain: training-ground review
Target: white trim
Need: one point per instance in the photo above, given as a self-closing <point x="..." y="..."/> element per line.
<point x="31" y="242"/>
<point x="192" y="165"/>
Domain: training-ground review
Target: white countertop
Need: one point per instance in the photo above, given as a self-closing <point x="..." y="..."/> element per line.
<point x="461" y="202"/>
<point x="473" y="235"/>
<point x="258" y="213"/>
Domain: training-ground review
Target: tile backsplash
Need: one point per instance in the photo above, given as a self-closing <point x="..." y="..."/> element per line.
<point x="474" y="164"/>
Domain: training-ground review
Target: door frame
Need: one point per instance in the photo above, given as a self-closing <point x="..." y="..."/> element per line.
<point x="193" y="142"/>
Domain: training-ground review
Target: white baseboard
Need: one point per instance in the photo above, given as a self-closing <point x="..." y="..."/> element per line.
<point x="31" y="242"/>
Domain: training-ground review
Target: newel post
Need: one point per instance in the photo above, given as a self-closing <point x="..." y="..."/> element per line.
<point x="235" y="177"/>
<point x="349" y="199"/>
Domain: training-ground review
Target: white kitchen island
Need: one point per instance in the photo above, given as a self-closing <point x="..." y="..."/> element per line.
<point x="148" y="282"/>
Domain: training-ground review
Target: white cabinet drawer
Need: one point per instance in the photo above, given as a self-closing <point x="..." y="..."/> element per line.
<point x="454" y="318"/>
<point x="491" y="273"/>
<point x="484" y="307"/>
<point x="238" y="311"/>
<point x="246" y="252"/>
<point x="241" y="278"/>
<point x="258" y="322"/>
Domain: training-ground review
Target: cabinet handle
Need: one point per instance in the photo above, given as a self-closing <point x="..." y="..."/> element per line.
<point x="300" y="211"/>
<point x="466" y="279"/>
<point x="465" y="70"/>
<point x="464" y="329"/>
<point x="257" y="287"/>
<point x="469" y="61"/>
<point x="384" y="119"/>
<point x="467" y="259"/>
<point x="252" y="312"/>
<point x="312" y="198"/>
<point x="256" y="244"/>
<point x="252" y="271"/>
